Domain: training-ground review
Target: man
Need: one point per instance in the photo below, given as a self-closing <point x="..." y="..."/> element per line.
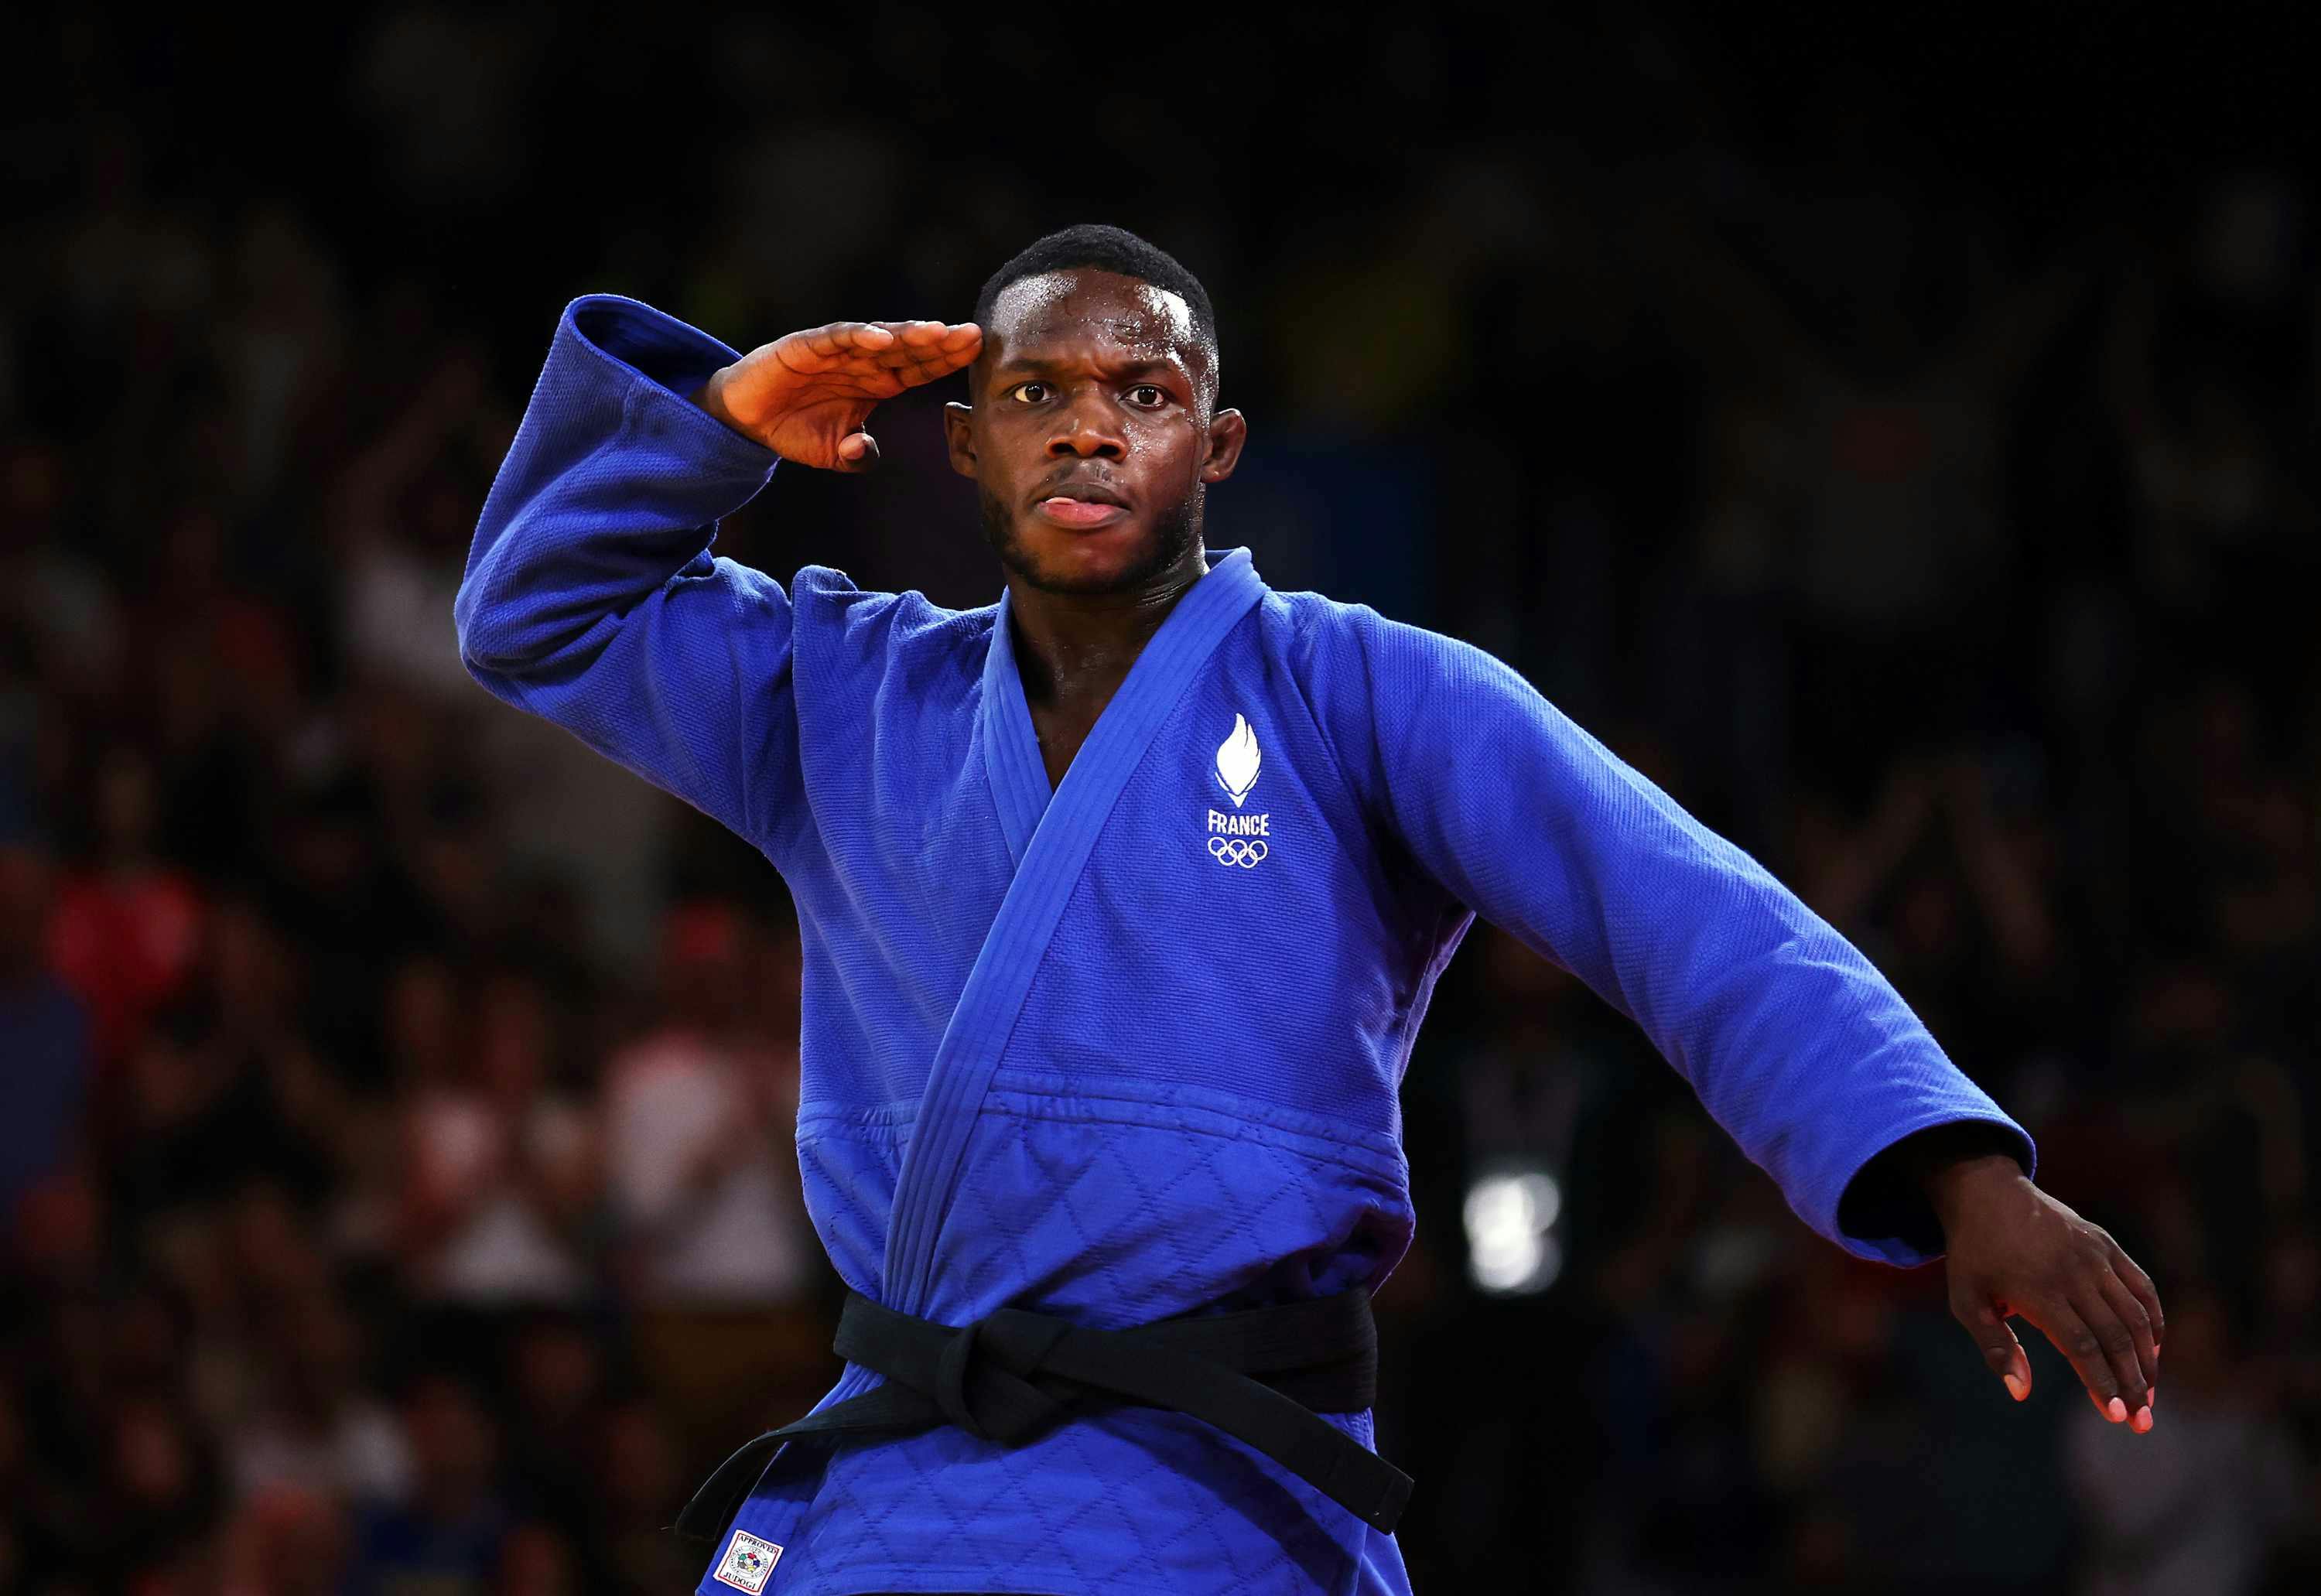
<point x="1121" y="901"/>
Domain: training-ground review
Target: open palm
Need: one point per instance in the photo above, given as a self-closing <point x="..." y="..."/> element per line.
<point x="806" y="395"/>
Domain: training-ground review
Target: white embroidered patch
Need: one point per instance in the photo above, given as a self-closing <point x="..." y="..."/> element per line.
<point x="749" y="1563"/>
<point x="1238" y="839"/>
<point x="1237" y="761"/>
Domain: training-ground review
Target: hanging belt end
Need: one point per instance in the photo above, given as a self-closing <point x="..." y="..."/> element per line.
<point x="1394" y="1495"/>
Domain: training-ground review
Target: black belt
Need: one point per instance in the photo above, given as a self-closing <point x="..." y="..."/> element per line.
<point x="1261" y="1374"/>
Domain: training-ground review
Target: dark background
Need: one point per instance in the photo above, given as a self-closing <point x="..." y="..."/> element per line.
<point x="1894" y="434"/>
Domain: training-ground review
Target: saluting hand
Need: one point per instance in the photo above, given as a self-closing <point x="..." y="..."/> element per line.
<point x="2012" y="1250"/>
<point x="805" y="396"/>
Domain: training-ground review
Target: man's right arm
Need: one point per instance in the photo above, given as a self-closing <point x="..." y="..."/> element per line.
<point x="591" y="597"/>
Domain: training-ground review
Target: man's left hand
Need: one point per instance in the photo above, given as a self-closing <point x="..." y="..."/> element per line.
<point x="2012" y="1249"/>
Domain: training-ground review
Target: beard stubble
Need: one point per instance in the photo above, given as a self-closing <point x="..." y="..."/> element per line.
<point x="1175" y="531"/>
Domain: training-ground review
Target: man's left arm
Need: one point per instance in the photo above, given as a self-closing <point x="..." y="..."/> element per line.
<point x="1794" y="1044"/>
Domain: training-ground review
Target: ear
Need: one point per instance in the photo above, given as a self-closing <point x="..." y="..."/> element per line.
<point x="1227" y="433"/>
<point x="959" y="437"/>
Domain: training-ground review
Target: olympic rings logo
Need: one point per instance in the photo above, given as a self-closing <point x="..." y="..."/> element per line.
<point x="1245" y="852"/>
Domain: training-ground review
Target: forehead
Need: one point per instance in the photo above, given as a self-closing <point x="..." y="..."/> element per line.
<point x="1086" y="305"/>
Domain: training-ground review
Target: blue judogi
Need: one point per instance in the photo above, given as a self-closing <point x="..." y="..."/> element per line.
<point x="1129" y="1049"/>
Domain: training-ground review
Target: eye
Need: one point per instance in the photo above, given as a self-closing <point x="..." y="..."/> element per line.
<point x="1144" y="396"/>
<point x="1028" y="393"/>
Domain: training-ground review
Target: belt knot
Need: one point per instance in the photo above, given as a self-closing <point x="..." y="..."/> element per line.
<point x="983" y="1380"/>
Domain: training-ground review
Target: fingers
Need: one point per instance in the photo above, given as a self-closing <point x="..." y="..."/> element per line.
<point x="818" y="350"/>
<point x="808" y="394"/>
<point x="844" y="356"/>
<point x="2147" y="1294"/>
<point x="925" y="351"/>
<point x="935" y="335"/>
<point x="884" y="343"/>
<point x="2062" y="1325"/>
<point x="2001" y="1352"/>
<point x="2143" y="1347"/>
<point x="2115" y="1337"/>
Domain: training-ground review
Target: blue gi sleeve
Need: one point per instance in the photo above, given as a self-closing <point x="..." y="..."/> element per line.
<point x="1796" y="1044"/>
<point x="591" y="597"/>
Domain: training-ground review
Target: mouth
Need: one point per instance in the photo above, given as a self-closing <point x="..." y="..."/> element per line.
<point x="1080" y="505"/>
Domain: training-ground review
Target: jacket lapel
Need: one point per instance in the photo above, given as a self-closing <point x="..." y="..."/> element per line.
<point x="1062" y="834"/>
<point x="1011" y="746"/>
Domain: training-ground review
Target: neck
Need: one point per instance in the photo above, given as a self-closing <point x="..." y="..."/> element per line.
<point x="1069" y="645"/>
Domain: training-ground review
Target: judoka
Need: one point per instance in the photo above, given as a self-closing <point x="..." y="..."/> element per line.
<point x="1109" y="1222"/>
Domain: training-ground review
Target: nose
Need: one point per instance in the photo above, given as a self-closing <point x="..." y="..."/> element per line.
<point x="1088" y="429"/>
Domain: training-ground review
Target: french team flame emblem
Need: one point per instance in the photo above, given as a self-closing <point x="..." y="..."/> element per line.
<point x="1237" y="761"/>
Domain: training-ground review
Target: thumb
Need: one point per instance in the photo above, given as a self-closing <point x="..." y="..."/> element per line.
<point x="2001" y="1352"/>
<point x="857" y="452"/>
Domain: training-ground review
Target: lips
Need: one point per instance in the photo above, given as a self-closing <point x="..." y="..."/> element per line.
<point x="1080" y="512"/>
<point x="1094" y="489"/>
<point x="1079" y="504"/>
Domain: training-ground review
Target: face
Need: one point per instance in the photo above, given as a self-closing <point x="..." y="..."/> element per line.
<point x="1092" y="435"/>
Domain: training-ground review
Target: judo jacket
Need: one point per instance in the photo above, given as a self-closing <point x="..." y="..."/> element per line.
<point x="1129" y="1048"/>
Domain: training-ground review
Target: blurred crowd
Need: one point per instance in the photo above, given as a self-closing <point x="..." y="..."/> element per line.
<point x="395" y="1182"/>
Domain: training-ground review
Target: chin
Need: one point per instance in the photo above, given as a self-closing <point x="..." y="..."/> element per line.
<point x="1117" y="558"/>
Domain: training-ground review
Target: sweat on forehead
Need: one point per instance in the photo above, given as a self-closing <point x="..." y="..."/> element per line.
<point x="1079" y="301"/>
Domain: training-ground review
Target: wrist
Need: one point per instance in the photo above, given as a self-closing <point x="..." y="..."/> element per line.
<point x="1955" y="1186"/>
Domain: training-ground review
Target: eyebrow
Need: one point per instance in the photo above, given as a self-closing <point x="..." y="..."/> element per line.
<point x="1126" y="368"/>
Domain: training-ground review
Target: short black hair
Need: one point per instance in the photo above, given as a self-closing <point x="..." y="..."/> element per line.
<point x="1108" y="248"/>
